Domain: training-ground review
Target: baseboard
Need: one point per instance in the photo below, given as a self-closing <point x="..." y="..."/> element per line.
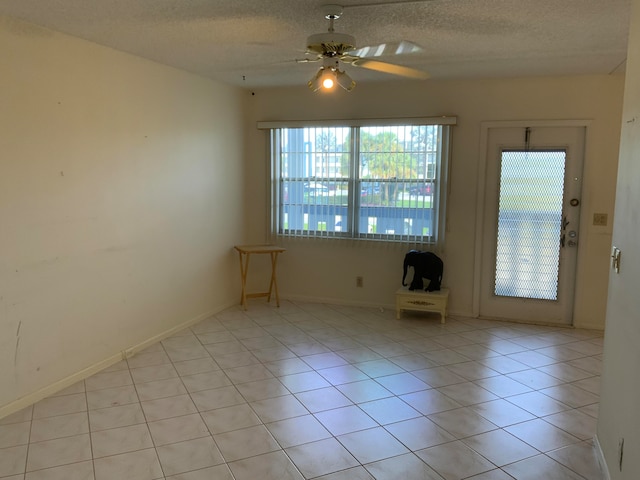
<point x="49" y="390"/>
<point x="338" y="301"/>
<point x="127" y="353"/>
<point x="526" y="322"/>
<point x="52" y="388"/>
<point x="350" y="303"/>
<point x="589" y="326"/>
<point x="601" y="460"/>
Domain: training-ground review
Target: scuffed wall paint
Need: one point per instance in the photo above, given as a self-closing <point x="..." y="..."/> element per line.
<point x="120" y="201"/>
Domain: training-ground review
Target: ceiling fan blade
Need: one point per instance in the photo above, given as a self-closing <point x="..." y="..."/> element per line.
<point x="390" y="68"/>
<point x="392" y="48"/>
<point x="307" y="60"/>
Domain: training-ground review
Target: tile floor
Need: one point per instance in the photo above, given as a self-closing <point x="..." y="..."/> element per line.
<point x="324" y="392"/>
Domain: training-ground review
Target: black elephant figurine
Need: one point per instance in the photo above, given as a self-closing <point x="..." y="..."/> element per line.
<point x="425" y="265"/>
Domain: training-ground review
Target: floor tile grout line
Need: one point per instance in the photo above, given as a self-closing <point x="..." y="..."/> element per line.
<point x="26" y="457"/>
<point x="153" y="442"/>
<point x="211" y="435"/>
<point x="374" y="327"/>
<point x="364" y="402"/>
<point x="308" y="412"/>
<point x="86" y="399"/>
<point x="256" y="413"/>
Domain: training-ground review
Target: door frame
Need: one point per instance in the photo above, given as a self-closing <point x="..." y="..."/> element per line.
<point x="483" y="160"/>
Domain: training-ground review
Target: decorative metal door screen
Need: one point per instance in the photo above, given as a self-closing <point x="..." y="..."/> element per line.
<point x="529" y="224"/>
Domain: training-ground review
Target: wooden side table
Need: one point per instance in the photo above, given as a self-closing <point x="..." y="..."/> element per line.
<point x="245" y="252"/>
<point x="422" y="301"/>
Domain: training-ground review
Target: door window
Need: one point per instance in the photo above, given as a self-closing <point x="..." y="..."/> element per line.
<point x="529" y="224"/>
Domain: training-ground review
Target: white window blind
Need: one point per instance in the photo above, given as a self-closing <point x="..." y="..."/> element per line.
<point x="376" y="180"/>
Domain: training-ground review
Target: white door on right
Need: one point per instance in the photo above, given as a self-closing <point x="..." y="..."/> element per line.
<point x="532" y="214"/>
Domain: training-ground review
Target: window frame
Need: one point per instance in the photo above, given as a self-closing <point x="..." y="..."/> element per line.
<point x="354" y="181"/>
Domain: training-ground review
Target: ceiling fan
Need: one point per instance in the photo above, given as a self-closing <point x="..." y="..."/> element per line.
<point x="333" y="47"/>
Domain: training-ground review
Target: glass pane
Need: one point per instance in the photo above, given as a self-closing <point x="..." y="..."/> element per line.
<point x="314" y="180"/>
<point x="385" y="186"/>
<point x="397" y="180"/>
<point x="529" y="224"/>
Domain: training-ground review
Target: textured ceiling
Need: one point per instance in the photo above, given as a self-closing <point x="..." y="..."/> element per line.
<point x="254" y="43"/>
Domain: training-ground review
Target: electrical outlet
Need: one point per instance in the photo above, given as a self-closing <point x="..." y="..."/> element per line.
<point x="359" y="282"/>
<point x="600" y="219"/>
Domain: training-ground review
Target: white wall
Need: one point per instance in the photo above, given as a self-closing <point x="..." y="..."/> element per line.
<point x="120" y="201"/>
<point x="327" y="269"/>
<point x="619" y="416"/>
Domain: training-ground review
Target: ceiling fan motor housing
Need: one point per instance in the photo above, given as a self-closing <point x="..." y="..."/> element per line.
<point x="331" y="43"/>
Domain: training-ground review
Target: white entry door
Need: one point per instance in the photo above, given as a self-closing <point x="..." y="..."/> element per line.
<point x="531" y="223"/>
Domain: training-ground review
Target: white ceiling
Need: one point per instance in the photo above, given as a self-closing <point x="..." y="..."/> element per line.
<point x="254" y="43"/>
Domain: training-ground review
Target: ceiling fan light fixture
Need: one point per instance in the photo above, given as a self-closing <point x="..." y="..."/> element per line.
<point x="345" y="81"/>
<point x="328" y="83"/>
<point x="326" y="78"/>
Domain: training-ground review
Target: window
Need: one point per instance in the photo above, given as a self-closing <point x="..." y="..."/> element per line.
<point x="374" y="180"/>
